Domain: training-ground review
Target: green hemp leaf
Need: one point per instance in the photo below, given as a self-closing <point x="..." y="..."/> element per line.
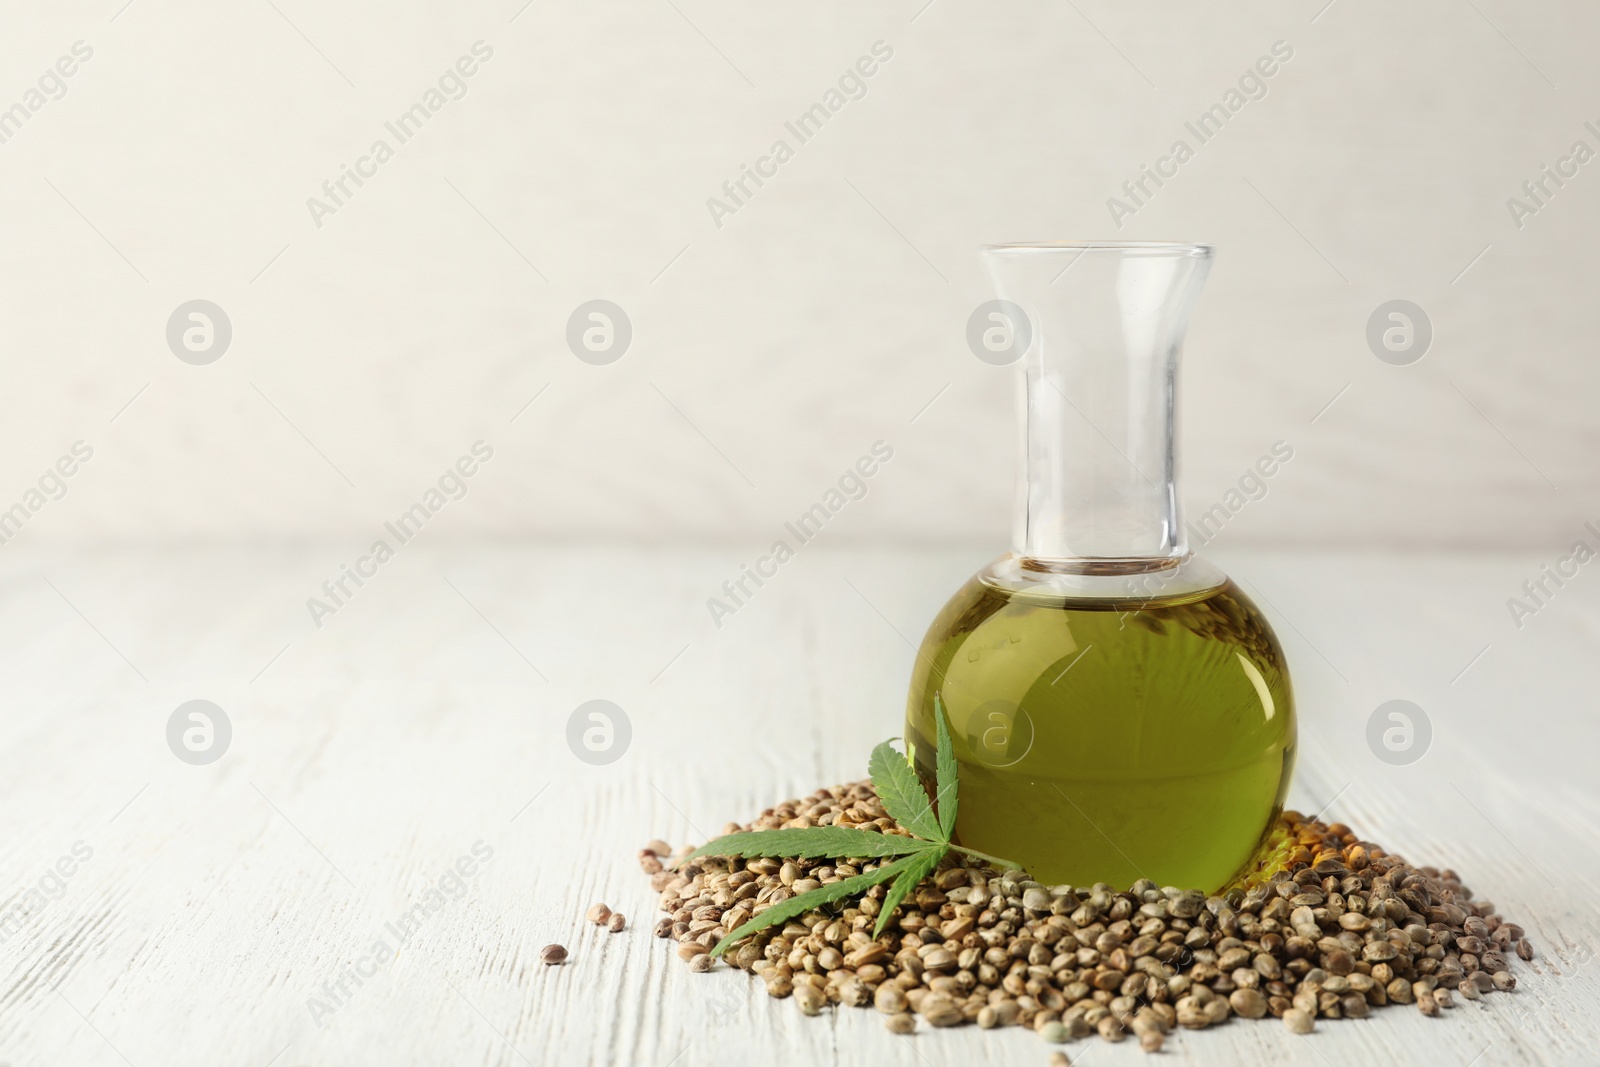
<point x="904" y="798"/>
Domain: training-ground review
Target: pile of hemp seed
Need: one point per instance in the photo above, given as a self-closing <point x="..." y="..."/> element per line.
<point x="1326" y="926"/>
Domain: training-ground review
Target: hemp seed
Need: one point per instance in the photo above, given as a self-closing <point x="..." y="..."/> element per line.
<point x="1324" y="925"/>
<point x="1300" y="1022"/>
<point x="901" y="1023"/>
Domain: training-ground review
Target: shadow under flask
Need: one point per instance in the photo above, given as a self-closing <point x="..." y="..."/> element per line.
<point x="1119" y="708"/>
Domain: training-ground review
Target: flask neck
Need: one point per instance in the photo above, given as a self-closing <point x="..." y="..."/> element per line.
<point x="1098" y="406"/>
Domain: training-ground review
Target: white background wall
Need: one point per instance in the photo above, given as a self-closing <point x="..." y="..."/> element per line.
<point x="770" y="352"/>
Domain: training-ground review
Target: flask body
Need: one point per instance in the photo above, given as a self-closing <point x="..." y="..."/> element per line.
<point x="1108" y="740"/>
<point x="1119" y="708"/>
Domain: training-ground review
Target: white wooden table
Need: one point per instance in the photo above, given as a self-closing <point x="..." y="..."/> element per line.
<point x="428" y="718"/>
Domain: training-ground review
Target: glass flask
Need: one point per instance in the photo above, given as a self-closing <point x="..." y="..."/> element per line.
<point x="1119" y="708"/>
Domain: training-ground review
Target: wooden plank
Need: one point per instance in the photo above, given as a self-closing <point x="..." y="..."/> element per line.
<point x="430" y="716"/>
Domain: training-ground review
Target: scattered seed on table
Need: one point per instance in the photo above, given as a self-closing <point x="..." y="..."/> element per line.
<point x="1060" y="1059"/>
<point x="551" y="955"/>
<point x="1299" y="1021"/>
<point x="598" y="913"/>
<point x="1111" y="1029"/>
<point x="902" y="1023"/>
<point x="617" y="922"/>
<point x="1248" y="1003"/>
<point x="810" y="999"/>
<point x="890" y="999"/>
<point x="940" y="1011"/>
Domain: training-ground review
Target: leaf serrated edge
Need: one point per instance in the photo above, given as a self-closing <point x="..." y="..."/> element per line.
<point x="946" y="773"/>
<point x="814" y="899"/>
<point x="811" y="841"/>
<point x="898" y="786"/>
